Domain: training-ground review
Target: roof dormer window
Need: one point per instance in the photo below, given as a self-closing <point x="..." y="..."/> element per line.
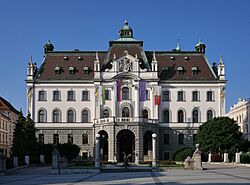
<point x="186" y="58"/>
<point x="194" y="70"/>
<point x="71" y="70"/>
<point x="86" y="70"/>
<point x="57" y="69"/>
<point x="80" y="58"/>
<point x="180" y="70"/>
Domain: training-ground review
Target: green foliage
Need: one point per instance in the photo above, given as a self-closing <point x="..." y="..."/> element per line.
<point x="245" y="158"/>
<point x="24" y="141"/>
<point x="68" y="150"/>
<point x="219" y="135"/>
<point x="46" y="150"/>
<point x="182" y="154"/>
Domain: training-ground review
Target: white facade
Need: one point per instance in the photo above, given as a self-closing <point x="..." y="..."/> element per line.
<point x="240" y="112"/>
<point x="126" y="125"/>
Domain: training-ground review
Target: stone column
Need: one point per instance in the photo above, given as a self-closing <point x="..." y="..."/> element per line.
<point x="27" y="159"/>
<point x="15" y="162"/>
<point x="225" y="158"/>
<point x="55" y="162"/>
<point x="237" y="157"/>
<point x="97" y="151"/>
<point x="154" y="164"/>
<point x="210" y="157"/>
<point x="42" y="159"/>
<point x="2" y="163"/>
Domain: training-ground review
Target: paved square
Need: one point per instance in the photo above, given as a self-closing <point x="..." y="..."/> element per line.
<point x="214" y="175"/>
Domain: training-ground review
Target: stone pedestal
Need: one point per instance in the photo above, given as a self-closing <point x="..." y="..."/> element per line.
<point x="237" y="157"/>
<point x="55" y="168"/>
<point x="97" y="151"/>
<point x="194" y="163"/>
<point x="42" y="159"/>
<point x="2" y="163"/>
<point x="210" y="157"/>
<point x="225" y="158"/>
<point x="15" y="162"/>
<point x="154" y="163"/>
<point x="27" y="159"/>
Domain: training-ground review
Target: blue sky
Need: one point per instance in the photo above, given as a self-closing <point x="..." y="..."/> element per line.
<point x="224" y="26"/>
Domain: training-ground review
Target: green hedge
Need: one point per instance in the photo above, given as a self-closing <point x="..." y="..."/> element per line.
<point x="245" y="158"/>
<point x="182" y="154"/>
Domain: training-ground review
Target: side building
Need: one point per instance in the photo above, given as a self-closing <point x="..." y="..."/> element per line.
<point x="240" y="112"/>
<point x="8" y="120"/>
<point x="125" y="94"/>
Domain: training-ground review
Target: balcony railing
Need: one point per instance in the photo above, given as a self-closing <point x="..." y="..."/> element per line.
<point x="125" y="119"/>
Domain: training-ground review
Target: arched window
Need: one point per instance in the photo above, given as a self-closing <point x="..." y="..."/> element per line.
<point x="180" y="116"/>
<point x="70" y="138"/>
<point x="145" y="113"/>
<point x="85" y="116"/>
<point x="105" y="113"/>
<point x="125" y="93"/>
<point x="55" y="138"/>
<point x="166" y="116"/>
<point x="42" y="116"/>
<point x="125" y="112"/>
<point x="56" y="116"/>
<point x="71" y="116"/>
<point x="209" y="115"/>
<point x="195" y="115"/>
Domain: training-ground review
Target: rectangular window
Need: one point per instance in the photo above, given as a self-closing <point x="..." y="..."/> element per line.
<point x="166" y="96"/>
<point x="180" y="96"/>
<point x="41" y="138"/>
<point x="55" y="139"/>
<point x="166" y="156"/>
<point x="71" y="96"/>
<point x="166" y="139"/>
<point x="70" y="138"/>
<point x="195" y="96"/>
<point x="194" y="137"/>
<point x="42" y="96"/>
<point x="209" y="95"/>
<point x="85" y="95"/>
<point x="107" y="94"/>
<point x="181" y="139"/>
<point x="85" y="139"/>
<point x="56" y="96"/>
<point x="147" y="95"/>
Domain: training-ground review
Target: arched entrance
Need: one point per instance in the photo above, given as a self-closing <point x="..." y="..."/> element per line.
<point x="125" y="144"/>
<point x="147" y="145"/>
<point x="103" y="145"/>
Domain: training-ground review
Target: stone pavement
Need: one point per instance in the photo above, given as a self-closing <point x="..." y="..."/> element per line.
<point x="215" y="174"/>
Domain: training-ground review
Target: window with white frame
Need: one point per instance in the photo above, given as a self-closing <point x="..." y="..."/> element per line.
<point x="165" y="96"/>
<point x="42" y="95"/>
<point x="85" y="95"/>
<point x="180" y="96"/>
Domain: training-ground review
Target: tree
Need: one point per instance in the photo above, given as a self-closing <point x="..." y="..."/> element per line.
<point x="219" y="135"/>
<point x="68" y="150"/>
<point x="24" y="141"/>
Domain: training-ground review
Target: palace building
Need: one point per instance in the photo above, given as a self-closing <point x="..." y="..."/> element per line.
<point x="125" y="94"/>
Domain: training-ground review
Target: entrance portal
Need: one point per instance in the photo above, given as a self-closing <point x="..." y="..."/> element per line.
<point x="125" y="145"/>
<point x="103" y="145"/>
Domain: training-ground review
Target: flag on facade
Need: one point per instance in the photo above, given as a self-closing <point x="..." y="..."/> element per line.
<point x="157" y="95"/>
<point x="103" y="95"/>
<point x="118" y="90"/>
<point x="142" y="90"/>
<point x="100" y="95"/>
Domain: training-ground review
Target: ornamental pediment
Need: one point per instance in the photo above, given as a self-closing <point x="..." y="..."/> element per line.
<point x="126" y="63"/>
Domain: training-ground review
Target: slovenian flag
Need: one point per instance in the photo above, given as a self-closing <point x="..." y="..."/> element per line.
<point x="157" y="95"/>
<point x="142" y="90"/>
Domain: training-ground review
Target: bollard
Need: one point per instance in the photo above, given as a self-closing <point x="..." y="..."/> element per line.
<point x="27" y="159"/>
<point x="15" y="162"/>
<point x="42" y="159"/>
<point x="55" y="162"/>
<point x="225" y="158"/>
<point x="210" y="157"/>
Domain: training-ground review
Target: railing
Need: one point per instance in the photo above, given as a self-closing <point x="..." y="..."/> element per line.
<point x="125" y="119"/>
<point x="181" y="125"/>
<point x="63" y="124"/>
